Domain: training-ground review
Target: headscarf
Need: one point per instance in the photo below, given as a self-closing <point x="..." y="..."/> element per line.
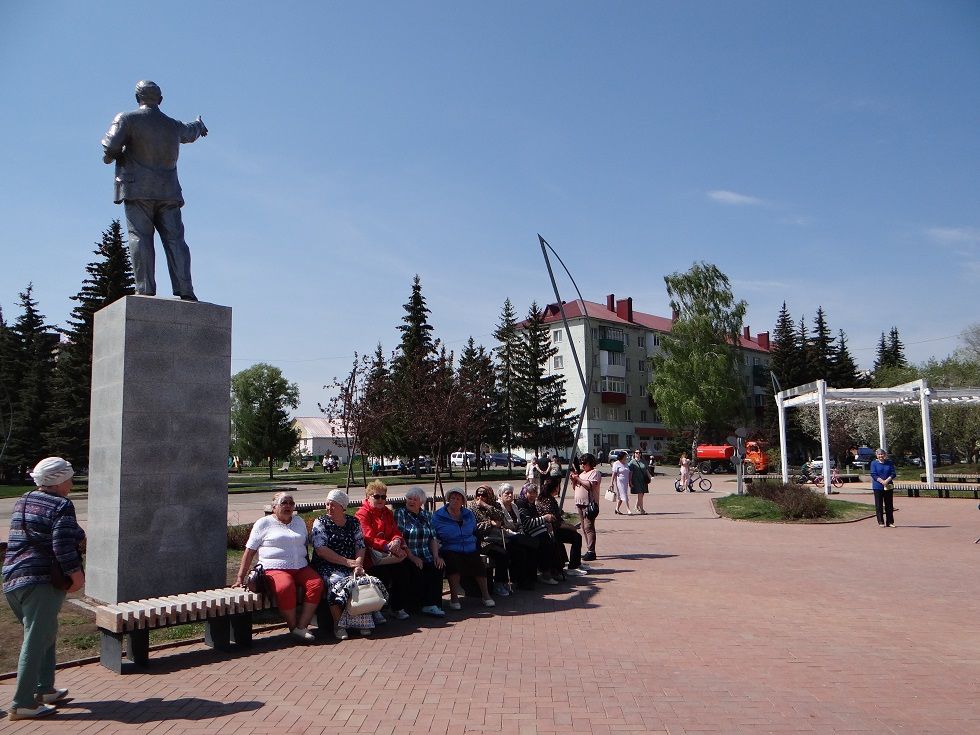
<point x="338" y="496"/>
<point x="455" y="490"/>
<point x="52" y="471"/>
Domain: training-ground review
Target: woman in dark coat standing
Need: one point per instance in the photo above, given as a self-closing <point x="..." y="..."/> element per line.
<point x="41" y="566"/>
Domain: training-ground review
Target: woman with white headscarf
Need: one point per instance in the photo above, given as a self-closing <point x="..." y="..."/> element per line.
<point x="42" y="564"/>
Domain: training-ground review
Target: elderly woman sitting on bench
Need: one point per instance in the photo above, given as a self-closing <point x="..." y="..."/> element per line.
<point x="279" y="540"/>
<point x="455" y="527"/>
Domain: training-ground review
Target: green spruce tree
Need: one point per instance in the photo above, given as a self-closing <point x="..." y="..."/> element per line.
<point x="110" y="277"/>
<point x="821" y="347"/>
<point x="508" y="346"/>
<point x="844" y="372"/>
<point x="35" y="344"/>
<point x="541" y="419"/>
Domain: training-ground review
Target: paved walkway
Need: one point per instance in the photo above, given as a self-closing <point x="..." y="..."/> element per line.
<point x="691" y="624"/>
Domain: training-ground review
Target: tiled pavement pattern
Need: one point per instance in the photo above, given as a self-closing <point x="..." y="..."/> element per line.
<point x="691" y="624"/>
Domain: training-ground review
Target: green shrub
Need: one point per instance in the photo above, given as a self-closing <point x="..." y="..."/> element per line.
<point x="238" y="535"/>
<point x="794" y="501"/>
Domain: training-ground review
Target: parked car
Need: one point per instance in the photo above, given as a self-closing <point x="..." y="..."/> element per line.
<point x="458" y="459"/>
<point x="499" y="459"/>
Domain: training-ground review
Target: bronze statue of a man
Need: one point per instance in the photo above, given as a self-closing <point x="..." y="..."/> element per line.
<point x="145" y="144"/>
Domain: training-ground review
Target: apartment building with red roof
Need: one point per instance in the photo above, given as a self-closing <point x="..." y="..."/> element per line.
<point x="614" y="343"/>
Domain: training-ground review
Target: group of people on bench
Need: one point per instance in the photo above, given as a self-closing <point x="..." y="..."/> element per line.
<point x="410" y="551"/>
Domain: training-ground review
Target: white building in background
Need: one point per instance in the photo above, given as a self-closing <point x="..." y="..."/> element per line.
<point x="319" y="436"/>
<point x="614" y="355"/>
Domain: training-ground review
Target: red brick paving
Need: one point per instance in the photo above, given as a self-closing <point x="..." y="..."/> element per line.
<point x="692" y="624"/>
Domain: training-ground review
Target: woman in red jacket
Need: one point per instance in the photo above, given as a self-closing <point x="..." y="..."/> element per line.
<point x="387" y="557"/>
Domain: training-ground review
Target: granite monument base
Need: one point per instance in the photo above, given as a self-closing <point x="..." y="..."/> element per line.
<point x="158" y="477"/>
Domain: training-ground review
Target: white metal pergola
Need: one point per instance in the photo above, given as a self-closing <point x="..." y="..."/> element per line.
<point x="918" y="391"/>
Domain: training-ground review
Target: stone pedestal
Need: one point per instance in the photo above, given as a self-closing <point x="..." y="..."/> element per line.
<point x="158" y="472"/>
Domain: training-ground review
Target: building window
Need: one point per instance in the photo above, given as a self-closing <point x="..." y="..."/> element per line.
<point x="612" y="414"/>
<point x="629" y="415"/>
<point x="629" y="441"/>
<point x="613" y="385"/>
<point x="627" y="364"/>
<point x="616" y="358"/>
<point x="614" y="333"/>
<point x="556" y="336"/>
<point x="653" y="339"/>
<point x="643" y="390"/>
<point x="643" y="417"/>
<point x="595" y="333"/>
<point x="626" y="339"/>
<point x="594" y="413"/>
<point x="597" y="440"/>
<point x="558" y="362"/>
<point x="629" y="389"/>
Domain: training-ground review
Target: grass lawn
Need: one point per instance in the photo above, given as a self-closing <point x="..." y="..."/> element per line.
<point x="750" y="508"/>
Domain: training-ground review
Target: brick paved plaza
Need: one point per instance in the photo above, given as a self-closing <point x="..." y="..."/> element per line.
<point x="691" y="624"/>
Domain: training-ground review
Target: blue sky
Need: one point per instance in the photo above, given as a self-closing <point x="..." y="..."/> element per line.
<point x="818" y="153"/>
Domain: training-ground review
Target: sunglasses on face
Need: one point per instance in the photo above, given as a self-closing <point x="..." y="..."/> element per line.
<point x="376" y="496"/>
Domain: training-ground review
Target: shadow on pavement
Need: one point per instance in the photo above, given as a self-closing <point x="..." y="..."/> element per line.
<point x="152" y="710"/>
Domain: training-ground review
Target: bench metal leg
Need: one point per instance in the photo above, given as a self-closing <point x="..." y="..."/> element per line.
<point x="241" y="629"/>
<point x="138" y="646"/>
<point x="217" y="633"/>
<point x="110" y="650"/>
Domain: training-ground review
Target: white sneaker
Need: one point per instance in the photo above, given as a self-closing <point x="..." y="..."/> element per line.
<point x="489" y="602"/>
<point x="576" y="572"/>
<point x="434" y="610"/>
<point x="30" y="713"/>
<point x="401" y="615"/>
<point x="585" y="568"/>
<point x="501" y="590"/>
<point x="303" y="634"/>
<point x="51" y="697"/>
<point x="340" y="633"/>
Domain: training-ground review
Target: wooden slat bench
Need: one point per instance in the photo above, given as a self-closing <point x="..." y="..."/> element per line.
<point x="942" y="490"/>
<point x="226" y="614"/>
<point x="945" y="477"/>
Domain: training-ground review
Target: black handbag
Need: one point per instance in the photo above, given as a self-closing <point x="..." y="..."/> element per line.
<point x="255" y="580"/>
<point x="592" y="510"/>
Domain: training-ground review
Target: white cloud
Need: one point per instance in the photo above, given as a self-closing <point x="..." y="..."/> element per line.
<point x="954" y="235"/>
<point x="724" y="196"/>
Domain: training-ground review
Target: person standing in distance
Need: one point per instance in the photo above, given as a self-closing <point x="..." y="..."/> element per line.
<point x="882" y="480"/>
<point x="145" y="144"/>
<point x="621" y="483"/>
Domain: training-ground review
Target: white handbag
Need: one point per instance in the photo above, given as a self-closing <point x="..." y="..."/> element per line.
<point x="365" y="596"/>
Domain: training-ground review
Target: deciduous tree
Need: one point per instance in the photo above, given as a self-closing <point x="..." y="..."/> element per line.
<point x="260" y="397"/>
<point x="697" y="380"/>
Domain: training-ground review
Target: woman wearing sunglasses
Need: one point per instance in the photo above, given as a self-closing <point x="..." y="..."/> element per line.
<point x="387" y="557"/>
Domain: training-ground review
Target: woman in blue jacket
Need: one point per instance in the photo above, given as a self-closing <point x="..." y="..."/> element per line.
<point x="882" y="479"/>
<point x="455" y="527"/>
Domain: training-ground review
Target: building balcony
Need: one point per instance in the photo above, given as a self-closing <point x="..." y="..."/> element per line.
<point x="611" y="345"/>
<point x="612" y="371"/>
<point x="608" y="397"/>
